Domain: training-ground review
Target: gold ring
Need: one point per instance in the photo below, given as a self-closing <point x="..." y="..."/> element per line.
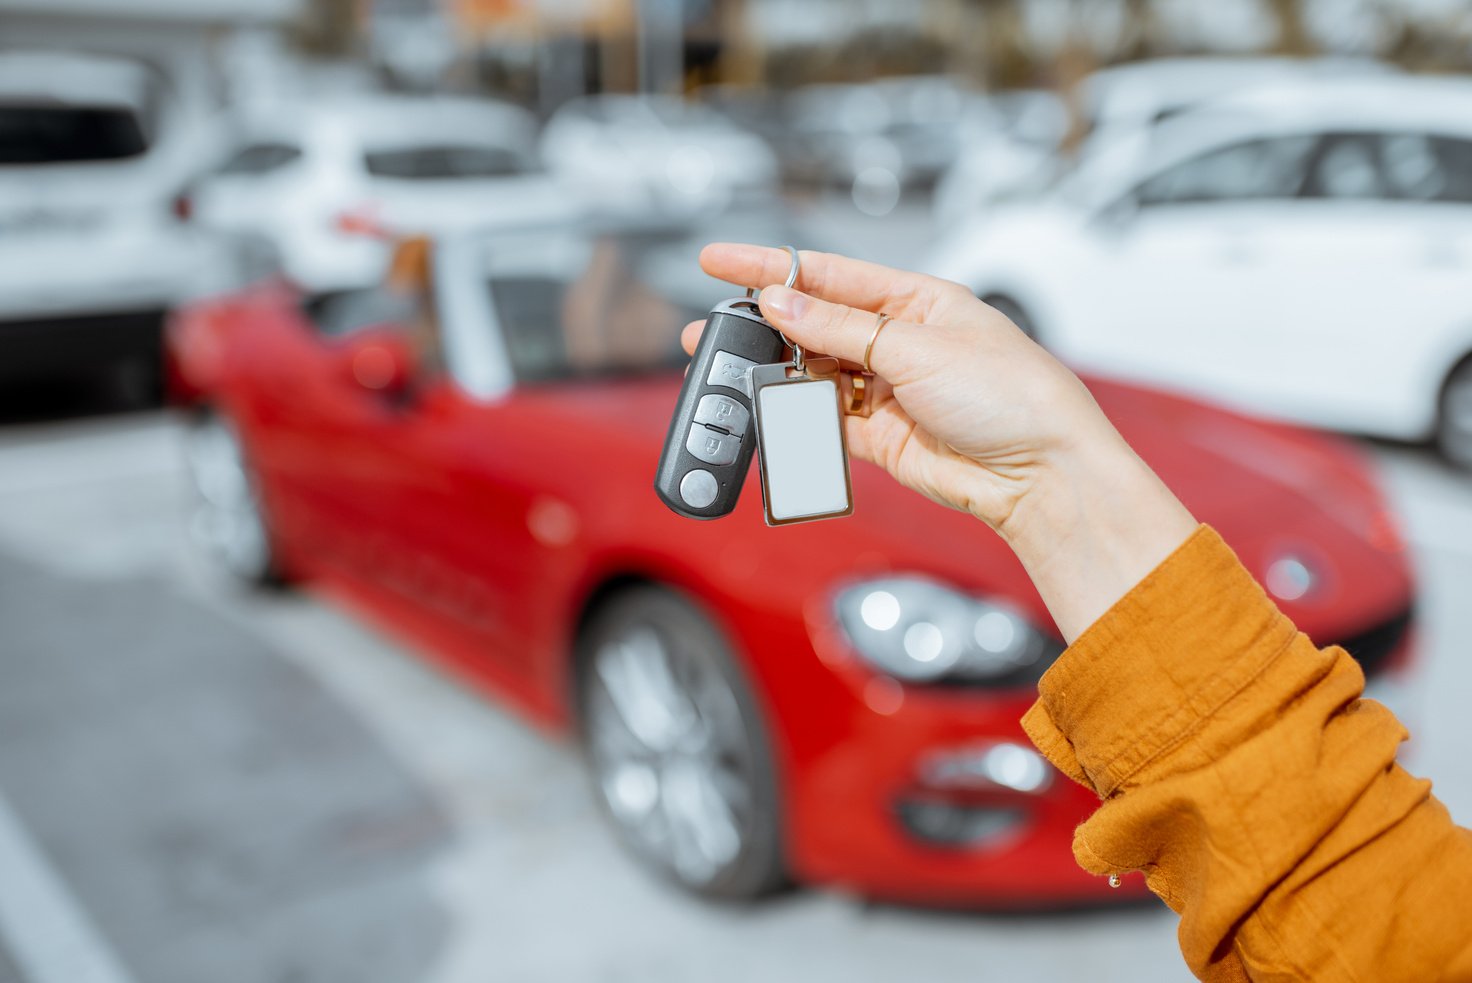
<point x="858" y="394"/>
<point x="869" y="348"/>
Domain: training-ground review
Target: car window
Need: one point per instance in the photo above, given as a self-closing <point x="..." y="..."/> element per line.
<point x="1253" y="170"/>
<point x="1419" y="167"/>
<point x="69" y="135"/>
<point x="438" y="163"/>
<point x="614" y="307"/>
<point x="260" y="158"/>
<point x="1348" y="166"/>
<point x="340" y="314"/>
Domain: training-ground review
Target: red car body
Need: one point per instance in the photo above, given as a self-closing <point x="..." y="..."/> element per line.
<point x="485" y="530"/>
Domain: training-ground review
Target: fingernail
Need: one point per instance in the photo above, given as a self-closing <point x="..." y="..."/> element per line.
<point x="784" y="303"/>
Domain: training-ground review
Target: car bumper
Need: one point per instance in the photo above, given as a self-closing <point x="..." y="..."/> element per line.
<point x="871" y="818"/>
<point x="864" y="810"/>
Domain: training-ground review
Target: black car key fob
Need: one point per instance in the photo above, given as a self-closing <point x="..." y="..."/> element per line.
<point x="711" y="439"/>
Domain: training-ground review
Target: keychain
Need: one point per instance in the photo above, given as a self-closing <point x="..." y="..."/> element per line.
<point x="735" y="400"/>
<point x="801" y="443"/>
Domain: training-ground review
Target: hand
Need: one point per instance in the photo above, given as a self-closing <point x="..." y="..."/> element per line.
<point x="966" y="409"/>
<point x="970" y="412"/>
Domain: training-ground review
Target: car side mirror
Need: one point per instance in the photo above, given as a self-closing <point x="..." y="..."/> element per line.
<point x="379" y="361"/>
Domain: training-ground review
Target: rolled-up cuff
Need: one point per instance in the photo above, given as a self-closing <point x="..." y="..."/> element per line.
<point x="1181" y="644"/>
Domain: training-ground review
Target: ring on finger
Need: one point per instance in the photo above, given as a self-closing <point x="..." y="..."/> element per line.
<point x="879" y="324"/>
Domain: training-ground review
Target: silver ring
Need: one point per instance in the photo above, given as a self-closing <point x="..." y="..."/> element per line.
<point x="791" y="271"/>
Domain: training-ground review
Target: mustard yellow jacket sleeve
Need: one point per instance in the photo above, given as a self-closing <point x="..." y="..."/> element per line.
<point x="1243" y="775"/>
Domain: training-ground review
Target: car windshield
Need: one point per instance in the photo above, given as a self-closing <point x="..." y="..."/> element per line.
<point x="69" y="134"/>
<point x="574" y="305"/>
<point x="447" y="161"/>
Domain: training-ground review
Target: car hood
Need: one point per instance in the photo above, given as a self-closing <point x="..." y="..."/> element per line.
<point x="1271" y="491"/>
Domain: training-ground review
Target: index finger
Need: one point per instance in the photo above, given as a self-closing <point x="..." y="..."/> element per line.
<point x="851" y="282"/>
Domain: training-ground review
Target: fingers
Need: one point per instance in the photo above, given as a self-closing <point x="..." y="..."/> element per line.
<point x="690" y="336"/>
<point x="838" y="330"/>
<point x="834" y="278"/>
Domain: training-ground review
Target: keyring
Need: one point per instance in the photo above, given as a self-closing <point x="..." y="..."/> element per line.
<point x="797" y="356"/>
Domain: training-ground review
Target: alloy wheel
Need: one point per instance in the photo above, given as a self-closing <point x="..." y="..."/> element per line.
<point x="671" y="753"/>
<point x="227" y="521"/>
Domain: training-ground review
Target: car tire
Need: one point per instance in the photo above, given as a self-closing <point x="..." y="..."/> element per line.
<point x="676" y="746"/>
<point x="1014" y="312"/>
<point x="228" y="523"/>
<point x="1454" y="416"/>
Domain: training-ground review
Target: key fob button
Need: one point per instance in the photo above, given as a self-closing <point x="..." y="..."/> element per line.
<point x="712" y="446"/>
<point x="722" y="411"/>
<point x="732" y="372"/>
<point x="698" y="489"/>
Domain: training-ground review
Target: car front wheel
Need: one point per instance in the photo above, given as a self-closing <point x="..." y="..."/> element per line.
<point x="227" y="522"/>
<point x="1454" y="423"/>
<point x="678" y="753"/>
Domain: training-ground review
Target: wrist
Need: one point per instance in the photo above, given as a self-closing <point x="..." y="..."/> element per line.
<point x="1094" y="521"/>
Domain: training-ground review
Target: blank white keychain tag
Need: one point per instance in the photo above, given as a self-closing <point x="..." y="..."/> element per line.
<point x="800" y="445"/>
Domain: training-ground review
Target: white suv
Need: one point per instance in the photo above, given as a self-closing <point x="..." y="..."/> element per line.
<point x="92" y="153"/>
<point x="1302" y="250"/>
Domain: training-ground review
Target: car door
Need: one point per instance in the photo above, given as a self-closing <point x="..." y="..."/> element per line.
<point x="1193" y="261"/>
<point x="1376" y="250"/>
<point x="388" y="445"/>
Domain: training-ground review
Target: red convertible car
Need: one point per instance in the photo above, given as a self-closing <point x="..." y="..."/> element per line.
<point x="467" y="452"/>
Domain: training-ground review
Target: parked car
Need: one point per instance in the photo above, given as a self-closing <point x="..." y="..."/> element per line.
<point x="92" y="151"/>
<point x="330" y="184"/>
<point x="468" y="453"/>
<point x="1299" y="250"/>
<point x="656" y="155"/>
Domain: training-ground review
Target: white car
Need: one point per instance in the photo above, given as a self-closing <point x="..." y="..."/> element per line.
<point x="1301" y="251"/>
<point x="656" y="155"/>
<point x="1021" y="152"/>
<point x="332" y="184"/>
<point x="93" y="150"/>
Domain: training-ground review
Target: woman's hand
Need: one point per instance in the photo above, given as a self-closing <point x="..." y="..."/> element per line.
<point x="970" y="412"/>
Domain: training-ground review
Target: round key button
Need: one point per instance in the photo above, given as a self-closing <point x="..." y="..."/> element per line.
<point x="698" y="489"/>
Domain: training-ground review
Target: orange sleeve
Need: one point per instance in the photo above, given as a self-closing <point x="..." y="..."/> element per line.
<point x="1243" y="775"/>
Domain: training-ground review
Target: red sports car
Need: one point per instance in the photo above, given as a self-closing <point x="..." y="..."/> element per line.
<point x="467" y="453"/>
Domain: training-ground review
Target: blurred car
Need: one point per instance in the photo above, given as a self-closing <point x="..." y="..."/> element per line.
<point x="1299" y="250"/>
<point x="656" y="155"/>
<point x="1010" y="143"/>
<point x="467" y="453"/>
<point x="330" y="184"/>
<point x="1137" y="95"/>
<point x="92" y="151"/>
<point x="875" y="139"/>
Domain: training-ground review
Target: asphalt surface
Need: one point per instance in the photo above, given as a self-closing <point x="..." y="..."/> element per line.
<point x="199" y="782"/>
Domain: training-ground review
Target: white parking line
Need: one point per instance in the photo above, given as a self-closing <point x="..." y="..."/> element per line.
<point x="46" y="932"/>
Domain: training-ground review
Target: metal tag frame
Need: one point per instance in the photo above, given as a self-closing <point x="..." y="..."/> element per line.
<point x="765" y="376"/>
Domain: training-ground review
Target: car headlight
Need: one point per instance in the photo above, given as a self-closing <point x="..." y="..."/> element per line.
<point x="921" y="631"/>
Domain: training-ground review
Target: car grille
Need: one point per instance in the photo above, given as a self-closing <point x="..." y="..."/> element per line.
<point x="1373" y="648"/>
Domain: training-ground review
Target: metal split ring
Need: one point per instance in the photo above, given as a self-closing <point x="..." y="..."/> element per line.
<point x="792" y="271"/>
